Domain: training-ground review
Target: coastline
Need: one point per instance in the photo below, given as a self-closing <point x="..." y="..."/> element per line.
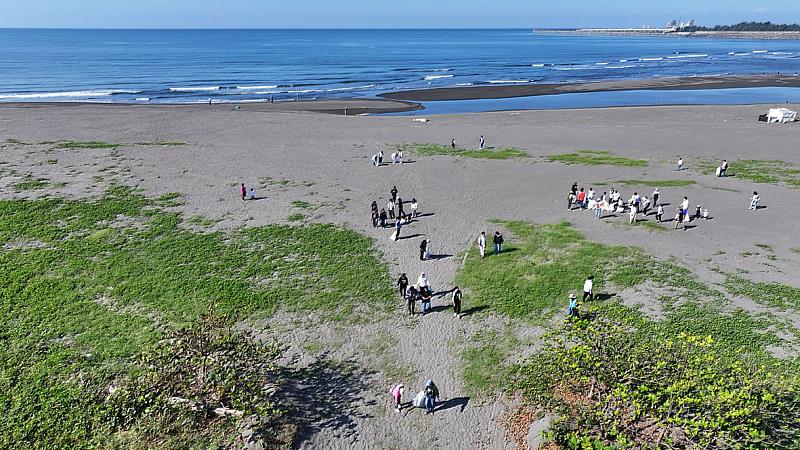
<point x="752" y="35"/>
<point x="532" y="90"/>
<point x="347" y="106"/>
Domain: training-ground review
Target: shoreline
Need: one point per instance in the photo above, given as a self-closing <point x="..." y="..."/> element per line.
<point x="533" y="90"/>
<point x="348" y="106"/>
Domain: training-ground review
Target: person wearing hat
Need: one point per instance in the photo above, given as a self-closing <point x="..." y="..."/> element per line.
<point x="572" y="307"/>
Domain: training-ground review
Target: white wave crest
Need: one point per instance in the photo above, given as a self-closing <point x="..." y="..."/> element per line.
<point x="437" y="77"/>
<point x="255" y="88"/>
<point x="194" y="89"/>
<point x="71" y="94"/>
<point x="688" y="56"/>
<point x="507" y="81"/>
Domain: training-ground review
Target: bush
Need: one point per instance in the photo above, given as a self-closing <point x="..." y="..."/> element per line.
<point x="614" y="387"/>
<point x="199" y="377"/>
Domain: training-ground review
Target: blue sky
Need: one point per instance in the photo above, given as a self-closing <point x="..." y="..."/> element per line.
<point x="383" y="13"/>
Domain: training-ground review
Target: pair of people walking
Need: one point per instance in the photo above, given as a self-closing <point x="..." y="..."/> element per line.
<point x="498" y="243"/>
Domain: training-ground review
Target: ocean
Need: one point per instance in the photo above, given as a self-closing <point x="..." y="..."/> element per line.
<point x="195" y="66"/>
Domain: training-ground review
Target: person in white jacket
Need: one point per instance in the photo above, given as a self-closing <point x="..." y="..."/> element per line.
<point x="482" y="243"/>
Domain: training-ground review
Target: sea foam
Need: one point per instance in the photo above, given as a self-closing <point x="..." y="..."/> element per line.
<point x="437" y="77"/>
<point x="194" y="89"/>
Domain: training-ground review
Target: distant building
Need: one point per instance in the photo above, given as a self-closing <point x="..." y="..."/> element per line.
<point x="672" y="24"/>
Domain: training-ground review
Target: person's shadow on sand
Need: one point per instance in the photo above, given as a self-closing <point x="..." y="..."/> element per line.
<point x="458" y="402"/>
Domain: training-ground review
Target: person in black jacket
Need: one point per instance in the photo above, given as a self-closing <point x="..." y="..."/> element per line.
<point x="423" y="249"/>
<point x="382" y="218"/>
<point x="402" y="284"/>
<point x="498" y="242"/>
<point x="394" y="193"/>
<point x="456" y="302"/>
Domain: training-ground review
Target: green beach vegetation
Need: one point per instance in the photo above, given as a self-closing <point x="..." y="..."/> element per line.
<point x="652" y="183"/>
<point x="596" y="158"/>
<point x="487" y="153"/>
<point x="757" y="171"/>
<point x="30" y="183"/>
<point x="91" y="287"/>
<point x="701" y="373"/>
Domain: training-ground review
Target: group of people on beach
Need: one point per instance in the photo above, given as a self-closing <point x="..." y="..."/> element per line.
<point x="582" y="199"/>
<point x="394" y="210"/>
<point x="396" y="158"/>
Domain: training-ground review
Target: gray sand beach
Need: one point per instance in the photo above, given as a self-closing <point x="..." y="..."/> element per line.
<point x="325" y="159"/>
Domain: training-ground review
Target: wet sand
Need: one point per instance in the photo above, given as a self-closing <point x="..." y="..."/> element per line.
<point x="528" y="90"/>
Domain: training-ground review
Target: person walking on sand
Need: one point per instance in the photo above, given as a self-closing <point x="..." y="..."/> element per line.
<point x="678" y="218"/>
<point x="698" y="212"/>
<point x="382" y="218"/>
<point x="423" y="250"/>
<point x="656" y="195"/>
<point x="402" y="285"/>
<point x="570" y="200"/>
<point x="685" y="207"/>
<point x="723" y="168"/>
<point x="659" y="213"/>
<point x="394" y="193"/>
<point x="414" y="206"/>
<point x="456" y="302"/>
<point x="483" y="142"/>
<point x="411" y="300"/>
<point x="423" y="281"/>
<point x="426" y="295"/>
<point x="390" y="208"/>
<point x="482" y="244"/>
<point x="243" y="191"/>
<point x="398" y="224"/>
<point x="498" y="242"/>
<point x="397" y="394"/>
<point x="380" y="157"/>
<point x="400" y="212"/>
<point x="453" y="143"/>
<point x="754" y="201"/>
<point x="680" y="163"/>
<point x="632" y="214"/>
<point x="582" y="199"/>
<point x="598" y="209"/>
<point x="645" y="205"/>
<point x="588" y="288"/>
<point x="375" y="160"/>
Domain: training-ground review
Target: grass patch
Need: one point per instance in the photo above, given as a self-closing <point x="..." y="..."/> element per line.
<point x="30" y="183"/>
<point x="296" y="217"/>
<point x="201" y="221"/>
<point x="757" y="171"/>
<point x="654" y="183"/>
<point x="487" y="153"/>
<point x="86" y="145"/>
<point x="764" y="246"/>
<point x="162" y="144"/>
<point x="650" y="225"/>
<point x="485" y="359"/>
<point x="594" y="371"/>
<point x="768" y="294"/>
<point x="795" y="250"/>
<point x="106" y="277"/>
<point x="301" y="204"/>
<point x="597" y="158"/>
<point x="534" y="276"/>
